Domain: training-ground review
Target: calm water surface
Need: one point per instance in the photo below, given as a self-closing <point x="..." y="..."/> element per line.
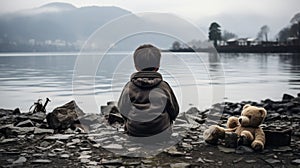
<point x="197" y="79"/>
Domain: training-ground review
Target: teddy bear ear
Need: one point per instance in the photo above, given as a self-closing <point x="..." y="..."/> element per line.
<point x="246" y="106"/>
<point x="263" y="112"/>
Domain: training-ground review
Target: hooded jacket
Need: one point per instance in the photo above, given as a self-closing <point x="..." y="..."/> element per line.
<point x="147" y="104"/>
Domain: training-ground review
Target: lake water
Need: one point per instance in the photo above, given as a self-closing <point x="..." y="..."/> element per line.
<point x="197" y="79"/>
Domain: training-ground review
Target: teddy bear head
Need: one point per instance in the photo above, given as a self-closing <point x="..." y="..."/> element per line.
<point x="252" y="116"/>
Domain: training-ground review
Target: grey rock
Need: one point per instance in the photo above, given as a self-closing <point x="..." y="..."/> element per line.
<point x="296" y="161"/>
<point x="243" y="149"/>
<point x="65" y="156"/>
<point x="113" y="146"/>
<point x="22" y="130"/>
<point x="41" y="161"/>
<point x="26" y="123"/>
<point x="111" y="162"/>
<point x="180" y="165"/>
<point x="43" y="131"/>
<point x="272" y="161"/>
<point x="208" y="161"/>
<point x="200" y="160"/>
<point x="282" y="149"/>
<point x="9" y="140"/>
<point x="59" y="137"/>
<point x="238" y="160"/>
<point x="226" y="150"/>
<point x="230" y="139"/>
<point x="64" y="117"/>
<point x="250" y="161"/>
<point x="287" y="97"/>
<point x="21" y="160"/>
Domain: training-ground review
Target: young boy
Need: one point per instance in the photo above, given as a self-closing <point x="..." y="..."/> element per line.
<point x="147" y="103"/>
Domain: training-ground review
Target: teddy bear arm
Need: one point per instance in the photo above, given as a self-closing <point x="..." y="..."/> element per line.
<point x="260" y="135"/>
<point x="232" y="122"/>
<point x="259" y="141"/>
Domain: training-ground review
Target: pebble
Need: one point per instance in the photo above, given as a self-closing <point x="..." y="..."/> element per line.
<point x="111" y="162"/>
<point x="180" y="165"/>
<point x="65" y="156"/>
<point x="226" y="150"/>
<point x="20" y="161"/>
<point x="296" y="162"/>
<point x="113" y="146"/>
<point x="272" y="161"/>
<point x="41" y="161"/>
<point x="238" y="160"/>
<point x="250" y="161"/>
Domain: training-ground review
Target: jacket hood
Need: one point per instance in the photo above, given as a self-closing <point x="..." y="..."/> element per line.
<point x="146" y="79"/>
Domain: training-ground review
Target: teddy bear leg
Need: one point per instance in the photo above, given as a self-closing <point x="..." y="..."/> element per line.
<point x="213" y="134"/>
<point x="257" y="145"/>
<point x="232" y="122"/>
<point x="245" y="138"/>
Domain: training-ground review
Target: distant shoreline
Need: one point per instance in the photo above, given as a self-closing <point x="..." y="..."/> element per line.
<point x="244" y="49"/>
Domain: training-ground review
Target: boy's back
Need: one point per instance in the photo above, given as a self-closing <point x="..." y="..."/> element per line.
<point x="147" y="103"/>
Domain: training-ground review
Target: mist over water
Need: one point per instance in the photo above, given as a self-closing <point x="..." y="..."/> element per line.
<point x="26" y="77"/>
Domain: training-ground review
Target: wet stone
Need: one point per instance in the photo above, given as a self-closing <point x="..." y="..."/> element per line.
<point x="243" y="149"/>
<point x="272" y="161"/>
<point x="296" y="161"/>
<point x="21" y="160"/>
<point x="65" y="156"/>
<point x="26" y="123"/>
<point x="250" y="161"/>
<point x="111" y="162"/>
<point x="238" y="160"/>
<point x="180" y="165"/>
<point x="41" y="161"/>
<point x="226" y="150"/>
<point x="282" y="149"/>
<point x="43" y="131"/>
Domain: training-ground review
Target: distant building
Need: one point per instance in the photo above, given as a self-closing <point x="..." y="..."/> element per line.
<point x="242" y="42"/>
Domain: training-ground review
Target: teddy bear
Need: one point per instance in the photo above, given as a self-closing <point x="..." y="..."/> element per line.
<point x="247" y="127"/>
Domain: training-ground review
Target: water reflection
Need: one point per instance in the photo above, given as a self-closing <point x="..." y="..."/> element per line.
<point x="24" y="79"/>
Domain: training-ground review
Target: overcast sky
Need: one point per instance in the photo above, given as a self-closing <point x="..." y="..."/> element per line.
<point x="244" y="17"/>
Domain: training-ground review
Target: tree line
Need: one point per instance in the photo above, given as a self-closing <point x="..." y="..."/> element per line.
<point x="289" y="32"/>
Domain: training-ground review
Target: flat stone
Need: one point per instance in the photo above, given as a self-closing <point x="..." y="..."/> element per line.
<point x="26" y="123"/>
<point x="85" y="160"/>
<point x="41" y="161"/>
<point x="43" y="131"/>
<point x="272" y="161"/>
<point x="208" y="160"/>
<point x="200" y="160"/>
<point x="174" y="152"/>
<point x="22" y="130"/>
<point x="111" y="162"/>
<point x="135" y="163"/>
<point x="238" y="160"/>
<point x="226" y="150"/>
<point x="113" y="146"/>
<point x="282" y="149"/>
<point x="243" y="149"/>
<point x="20" y="161"/>
<point x="180" y="165"/>
<point x="296" y="161"/>
<point x="84" y="156"/>
<point x="9" y="140"/>
<point x="59" y="137"/>
<point x="146" y="161"/>
<point x="250" y="161"/>
<point x="65" y="156"/>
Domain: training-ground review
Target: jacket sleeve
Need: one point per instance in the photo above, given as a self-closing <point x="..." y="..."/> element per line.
<point x="124" y="102"/>
<point x="172" y="105"/>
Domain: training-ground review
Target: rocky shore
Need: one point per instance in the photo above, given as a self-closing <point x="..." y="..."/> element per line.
<point x="69" y="137"/>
